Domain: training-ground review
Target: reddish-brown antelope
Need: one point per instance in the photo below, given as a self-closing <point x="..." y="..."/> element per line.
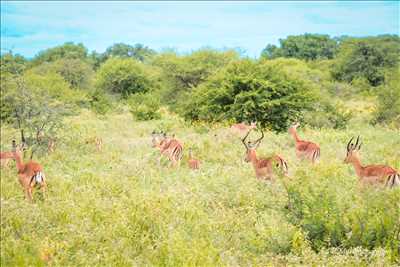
<point x="263" y="167"/>
<point x="194" y="164"/>
<point x="304" y="149"/>
<point x="30" y="173"/>
<point x="97" y="141"/>
<point x="370" y="174"/>
<point x="171" y="148"/>
<point x="242" y="128"/>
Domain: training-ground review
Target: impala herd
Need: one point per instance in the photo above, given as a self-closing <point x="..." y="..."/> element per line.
<point x="31" y="173"/>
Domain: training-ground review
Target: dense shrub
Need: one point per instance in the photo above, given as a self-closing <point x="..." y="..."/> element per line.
<point x="181" y="74"/>
<point x="100" y="102"/>
<point x="366" y="58"/>
<point x="14" y="64"/>
<point x="306" y="46"/>
<point x="345" y="218"/>
<point x="144" y="106"/>
<point x="388" y="106"/>
<point x="77" y="72"/>
<point x="124" y="76"/>
<point x="246" y="91"/>
<point x="327" y="114"/>
<point x="68" y="50"/>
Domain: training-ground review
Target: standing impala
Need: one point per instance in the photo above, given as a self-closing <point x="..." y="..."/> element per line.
<point x="242" y="128"/>
<point x="30" y="173"/>
<point x="193" y="163"/>
<point x="172" y="148"/>
<point x="264" y="167"/>
<point x="370" y="174"/>
<point x="304" y="149"/>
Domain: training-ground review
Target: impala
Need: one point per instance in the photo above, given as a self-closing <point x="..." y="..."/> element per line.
<point x="194" y="164"/>
<point x="30" y="173"/>
<point x="263" y="167"/>
<point x="97" y="141"/>
<point x="242" y="128"/>
<point x="172" y="148"/>
<point x="370" y="174"/>
<point x="304" y="149"/>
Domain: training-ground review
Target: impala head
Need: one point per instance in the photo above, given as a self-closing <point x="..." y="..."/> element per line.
<point x="157" y="138"/>
<point x="352" y="150"/>
<point x="293" y="127"/>
<point x="253" y="125"/>
<point x="251" y="146"/>
<point x="17" y="149"/>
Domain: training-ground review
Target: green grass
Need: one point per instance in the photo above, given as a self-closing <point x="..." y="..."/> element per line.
<point x="118" y="208"/>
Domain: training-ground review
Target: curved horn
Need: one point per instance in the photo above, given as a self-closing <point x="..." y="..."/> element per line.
<point x="258" y="141"/>
<point x="358" y="139"/>
<point x="244" y="140"/>
<point x="349" y="145"/>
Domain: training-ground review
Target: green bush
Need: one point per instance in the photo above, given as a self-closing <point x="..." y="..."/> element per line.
<point x="329" y="115"/>
<point x="388" y="106"/>
<point x="247" y="91"/>
<point x="344" y="218"/>
<point x="144" y="106"/>
<point x="124" y="76"/>
<point x="100" y="102"/>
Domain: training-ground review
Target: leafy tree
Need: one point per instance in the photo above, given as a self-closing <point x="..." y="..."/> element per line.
<point x="247" y="91"/>
<point x="306" y="46"/>
<point x="182" y="73"/>
<point x="12" y="63"/>
<point x="388" y="106"/>
<point x="68" y="50"/>
<point x="366" y="58"/>
<point x="77" y="72"/>
<point x="32" y="105"/>
<point x="124" y="76"/>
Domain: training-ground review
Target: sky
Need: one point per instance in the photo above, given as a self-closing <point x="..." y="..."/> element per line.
<point x="29" y="27"/>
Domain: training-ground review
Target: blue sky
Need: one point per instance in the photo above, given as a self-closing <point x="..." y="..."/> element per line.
<point x="28" y="27"/>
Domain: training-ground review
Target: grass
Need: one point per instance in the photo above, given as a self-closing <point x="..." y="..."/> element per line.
<point x="118" y="208"/>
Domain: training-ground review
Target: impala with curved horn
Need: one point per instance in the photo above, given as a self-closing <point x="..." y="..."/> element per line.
<point x="263" y="167"/>
<point x="304" y="149"/>
<point x="172" y="148"/>
<point x="30" y="173"/>
<point x="370" y="174"/>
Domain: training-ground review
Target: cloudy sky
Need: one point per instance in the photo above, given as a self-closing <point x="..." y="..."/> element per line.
<point x="28" y="27"/>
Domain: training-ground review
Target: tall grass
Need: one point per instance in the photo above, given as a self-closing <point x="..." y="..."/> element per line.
<point x="118" y="208"/>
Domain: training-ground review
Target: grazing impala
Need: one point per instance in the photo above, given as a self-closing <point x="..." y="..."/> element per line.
<point x="30" y="173"/>
<point x="242" y="128"/>
<point x="370" y="174"/>
<point x="264" y="167"/>
<point x="304" y="149"/>
<point x="194" y="164"/>
<point x="172" y="148"/>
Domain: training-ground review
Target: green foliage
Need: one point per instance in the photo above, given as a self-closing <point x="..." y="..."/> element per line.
<point x="124" y="76"/>
<point x="306" y="46"/>
<point x="366" y="58"/>
<point x="100" y="102"/>
<point x="68" y="50"/>
<point x="33" y="105"/>
<point x="388" y="106"/>
<point x="144" y="106"/>
<point x="180" y="74"/>
<point x="333" y="220"/>
<point x="329" y="115"/>
<point x="77" y="72"/>
<point x="247" y="91"/>
<point x="13" y="64"/>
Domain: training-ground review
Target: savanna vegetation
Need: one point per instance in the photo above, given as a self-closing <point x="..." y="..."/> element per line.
<point x="115" y="206"/>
